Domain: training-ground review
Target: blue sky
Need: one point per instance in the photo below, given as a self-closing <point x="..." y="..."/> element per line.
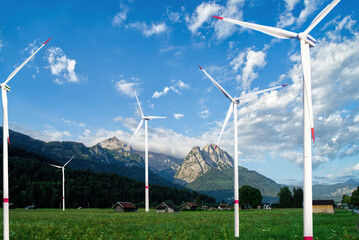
<point x="79" y="86"/>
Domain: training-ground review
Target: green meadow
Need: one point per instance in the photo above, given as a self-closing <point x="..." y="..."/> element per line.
<point x="105" y="224"/>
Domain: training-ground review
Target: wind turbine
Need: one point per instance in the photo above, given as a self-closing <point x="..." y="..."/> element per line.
<point x="146" y="118"/>
<point x="233" y="108"/>
<point x="306" y="41"/>
<point x="4" y="89"/>
<point x="63" y="181"/>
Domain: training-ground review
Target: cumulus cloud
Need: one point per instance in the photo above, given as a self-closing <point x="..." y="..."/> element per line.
<point x="176" y="87"/>
<point x="204" y="11"/>
<point x="202" y="14"/>
<point x="178" y="116"/>
<point x="61" y="66"/>
<point x="1" y="45"/>
<point x="247" y="62"/>
<point x="149" y="30"/>
<point x="125" y="86"/>
<point x="120" y="16"/>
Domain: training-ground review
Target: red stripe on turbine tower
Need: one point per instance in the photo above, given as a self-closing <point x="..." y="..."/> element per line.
<point x="6" y="200"/>
<point x="313" y="134"/>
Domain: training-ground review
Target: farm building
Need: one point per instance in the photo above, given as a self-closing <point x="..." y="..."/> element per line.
<point x="167" y="207"/>
<point x="124" y="207"/>
<point x="323" y="206"/>
<point x="192" y="206"/>
<point x="224" y="206"/>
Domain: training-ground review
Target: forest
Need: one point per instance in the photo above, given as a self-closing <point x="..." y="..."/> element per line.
<point x="32" y="181"/>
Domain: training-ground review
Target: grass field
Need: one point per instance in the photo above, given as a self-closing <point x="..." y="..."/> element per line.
<point x="105" y="224"/>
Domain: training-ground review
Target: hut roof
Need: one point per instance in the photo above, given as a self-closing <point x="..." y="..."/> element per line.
<point x="323" y="202"/>
<point x="163" y="205"/>
<point x="125" y="205"/>
<point x="192" y="204"/>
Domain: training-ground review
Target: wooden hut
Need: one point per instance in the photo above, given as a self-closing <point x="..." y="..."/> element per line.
<point x="167" y="207"/>
<point x="224" y="206"/>
<point x="323" y="206"/>
<point x="191" y="206"/>
<point x="124" y="207"/>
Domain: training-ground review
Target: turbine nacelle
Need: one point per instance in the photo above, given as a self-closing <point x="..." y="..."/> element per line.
<point x="307" y="39"/>
<point x="6" y="87"/>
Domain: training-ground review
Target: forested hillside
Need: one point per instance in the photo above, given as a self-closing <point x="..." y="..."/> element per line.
<point x="33" y="181"/>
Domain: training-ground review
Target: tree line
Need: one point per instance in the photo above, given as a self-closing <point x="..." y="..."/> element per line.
<point x="33" y="181"/>
<point x="352" y="200"/>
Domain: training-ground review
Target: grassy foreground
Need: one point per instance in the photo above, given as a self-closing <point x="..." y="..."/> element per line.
<point x="105" y="224"/>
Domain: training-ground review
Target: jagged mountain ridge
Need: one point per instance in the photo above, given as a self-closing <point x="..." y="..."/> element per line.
<point x="198" y="162"/>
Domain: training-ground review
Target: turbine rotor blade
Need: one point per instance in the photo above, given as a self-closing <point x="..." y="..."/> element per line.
<point x="68" y="161"/>
<point x="23" y="64"/>
<point x="229" y="113"/>
<point x="321" y="15"/>
<point x="275" y="32"/>
<point x="55" y="166"/>
<point x="139" y="126"/>
<point x="155" y="117"/>
<point x="251" y="94"/>
<point x="304" y="50"/>
<point x="217" y="85"/>
<point x="138" y="102"/>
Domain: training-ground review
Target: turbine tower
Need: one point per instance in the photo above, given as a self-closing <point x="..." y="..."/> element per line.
<point x="4" y="89"/>
<point x="306" y="41"/>
<point x="233" y="108"/>
<point x="63" y="181"/>
<point x="146" y="118"/>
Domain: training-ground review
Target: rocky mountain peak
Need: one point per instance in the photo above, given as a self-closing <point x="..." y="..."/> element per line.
<point x="114" y="143"/>
<point x="198" y="162"/>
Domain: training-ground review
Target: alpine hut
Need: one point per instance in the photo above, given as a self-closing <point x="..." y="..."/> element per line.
<point x="323" y="206"/>
<point x="191" y="206"/>
<point x="124" y="207"/>
<point x="167" y="207"/>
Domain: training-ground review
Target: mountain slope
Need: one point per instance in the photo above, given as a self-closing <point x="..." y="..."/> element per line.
<point x="97" y="158"/>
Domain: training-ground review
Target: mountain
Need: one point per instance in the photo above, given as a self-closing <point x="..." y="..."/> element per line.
<point x="210" y="171"/>
<point x="111" y="155"/>
<point x="334" y="191"/>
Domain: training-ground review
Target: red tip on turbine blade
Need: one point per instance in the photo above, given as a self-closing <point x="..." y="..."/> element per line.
<point x="8" y="140"/>
<point x="313" y="134"/>
<point x="284" y="85"/>
<point x="220" y="18"/>
<point x="200" y="67"/>
<point x="215" y="148"/>
<point x="47" y="40"/>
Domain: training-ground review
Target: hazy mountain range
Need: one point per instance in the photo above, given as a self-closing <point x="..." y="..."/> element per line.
<point x="206" y="170"/>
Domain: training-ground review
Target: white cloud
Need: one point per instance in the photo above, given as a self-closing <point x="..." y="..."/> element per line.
<point x="290" y="4"/>
<point x="247" y="62"/>
<point x="310" y="7"/>
<point x="175" y="88"/>
<point x="1" y="45"/>
<point x="73" y="122"/>
<point x="62" y="66"/>
<point x="178" y="116"/>
<point x="147" y="30"/>
<point x="52" y="134"/>
<point x="205" y="113"/>
<point x="120" y="16"/>
<point x="202" y="14"/>
<point x="125" y="87"/>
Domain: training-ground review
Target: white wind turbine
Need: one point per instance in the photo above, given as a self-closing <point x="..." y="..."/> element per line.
<point x="4" y="89"/>
<point x="146" y="118"/>
<point x="63" y="181"/>
<point x="306" y="41"/>
<point x="233" y="108"/>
